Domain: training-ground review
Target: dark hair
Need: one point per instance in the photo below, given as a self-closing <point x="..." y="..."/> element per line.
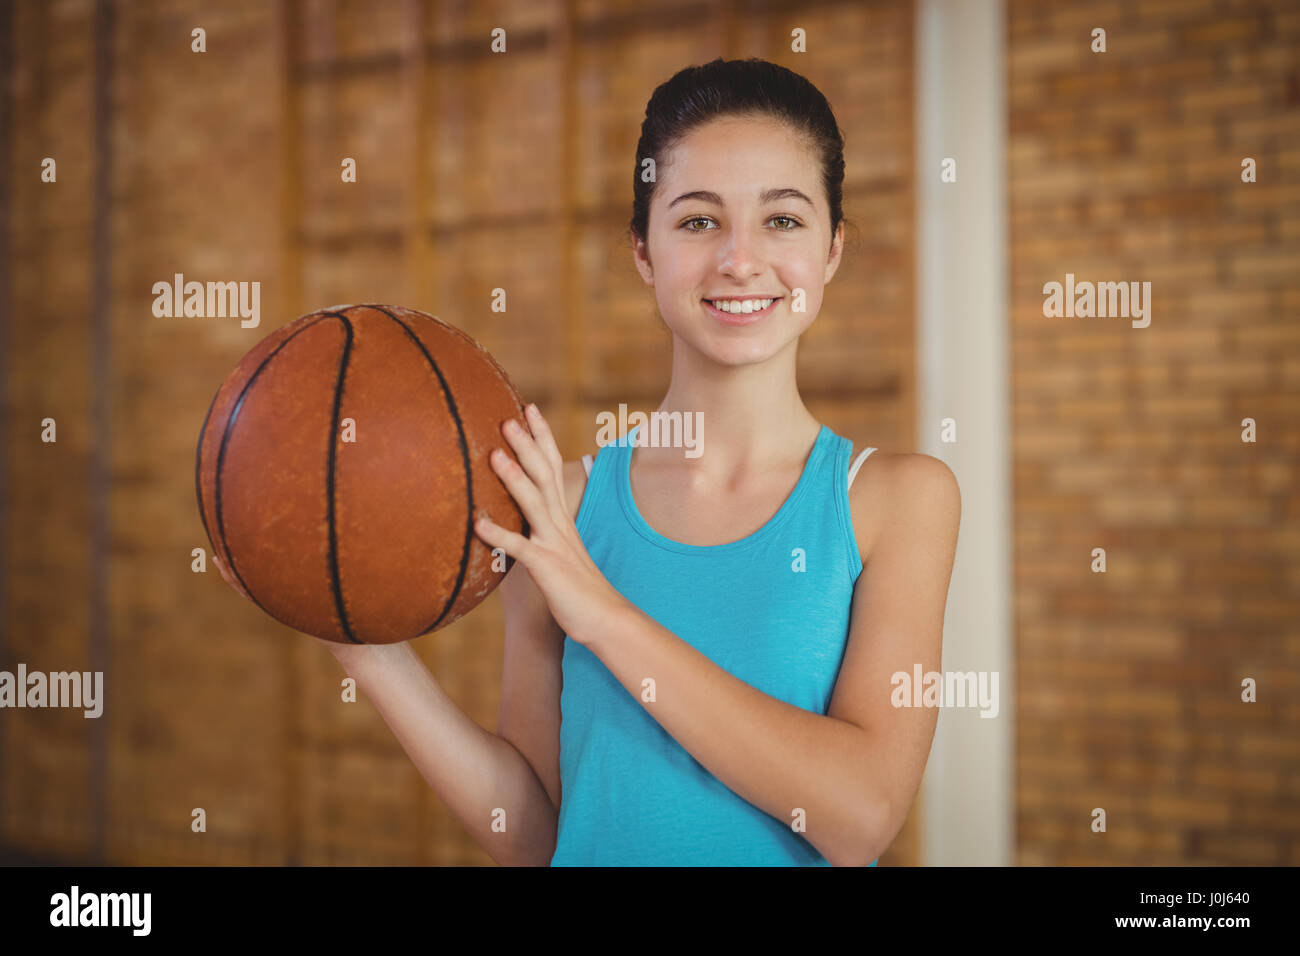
<point x="750" y="87"/>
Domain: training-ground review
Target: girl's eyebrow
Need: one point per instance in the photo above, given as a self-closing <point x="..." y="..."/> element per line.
<point x="766" y="196"/>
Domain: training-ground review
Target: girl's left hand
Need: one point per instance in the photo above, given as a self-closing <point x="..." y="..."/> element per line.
<point x="579" y="596"/>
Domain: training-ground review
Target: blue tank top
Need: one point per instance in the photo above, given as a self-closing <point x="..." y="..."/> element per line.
<point x="771" y="608"/>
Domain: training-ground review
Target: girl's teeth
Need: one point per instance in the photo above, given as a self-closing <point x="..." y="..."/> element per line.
<point x="745" y="307"/>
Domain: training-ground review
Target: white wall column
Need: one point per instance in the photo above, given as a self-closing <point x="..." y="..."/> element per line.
<point x="968" y="794"/>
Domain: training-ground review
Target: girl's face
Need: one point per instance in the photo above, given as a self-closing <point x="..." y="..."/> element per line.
<point x="739" y="210"/>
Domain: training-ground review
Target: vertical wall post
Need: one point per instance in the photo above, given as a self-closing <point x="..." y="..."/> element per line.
<point x="964" y="374"/>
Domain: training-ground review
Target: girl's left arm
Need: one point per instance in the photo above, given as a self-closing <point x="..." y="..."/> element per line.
<point x="844" y="780"/>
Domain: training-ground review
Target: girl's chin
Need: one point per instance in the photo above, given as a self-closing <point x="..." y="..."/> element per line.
<point x="724" y="350"/>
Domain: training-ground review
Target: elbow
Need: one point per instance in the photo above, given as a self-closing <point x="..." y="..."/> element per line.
<point x="865" y="841"/>
<point x="862" y="857"/>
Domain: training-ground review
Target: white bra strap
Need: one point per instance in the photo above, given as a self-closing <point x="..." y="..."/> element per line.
<point x="586" y="462"/>
<point x="857" y="463"/>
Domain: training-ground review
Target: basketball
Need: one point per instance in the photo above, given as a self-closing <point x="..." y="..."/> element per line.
<point x="341" y="465"/>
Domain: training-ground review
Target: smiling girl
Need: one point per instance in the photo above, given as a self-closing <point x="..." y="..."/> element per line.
<point x="699" y="650"/>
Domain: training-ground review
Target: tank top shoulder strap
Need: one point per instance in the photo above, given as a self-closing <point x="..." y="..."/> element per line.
<point x="857" y="463"/>
<point x="601" y="473"/>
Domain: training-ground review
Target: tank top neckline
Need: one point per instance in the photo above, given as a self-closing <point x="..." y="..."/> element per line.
<point x="623" y="478"/>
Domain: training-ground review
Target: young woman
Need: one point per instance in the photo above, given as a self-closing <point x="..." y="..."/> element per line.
<point x="699" y="650"/>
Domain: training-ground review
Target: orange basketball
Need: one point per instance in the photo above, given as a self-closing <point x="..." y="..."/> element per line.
<point x="340" y="468"/>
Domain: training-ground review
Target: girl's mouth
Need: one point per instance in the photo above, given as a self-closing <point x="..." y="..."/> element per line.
<point x="739" y="318"/>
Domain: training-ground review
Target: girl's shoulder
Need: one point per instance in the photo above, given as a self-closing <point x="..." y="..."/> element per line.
<point x="890" y="482"/>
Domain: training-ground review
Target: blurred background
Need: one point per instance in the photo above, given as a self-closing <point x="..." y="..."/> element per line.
<point x="479" y="170"/>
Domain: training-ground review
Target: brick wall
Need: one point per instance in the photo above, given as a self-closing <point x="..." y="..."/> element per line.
<point x="1126" y="165"/>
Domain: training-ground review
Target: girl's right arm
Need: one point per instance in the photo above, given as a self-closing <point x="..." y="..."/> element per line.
<point x="479" y="775"/>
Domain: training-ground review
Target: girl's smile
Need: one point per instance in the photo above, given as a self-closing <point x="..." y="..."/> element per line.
<point x="740" y="318"/>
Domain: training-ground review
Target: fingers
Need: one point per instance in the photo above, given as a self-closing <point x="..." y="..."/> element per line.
<point x="518" y="483"/>
<point x="495" y="536"/>
<point x="536" y="463"/>
<point x="230" y="578"/>
<point x="546" y="441"/>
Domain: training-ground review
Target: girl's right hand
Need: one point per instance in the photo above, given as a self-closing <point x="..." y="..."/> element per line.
<point x="230" y="578"/>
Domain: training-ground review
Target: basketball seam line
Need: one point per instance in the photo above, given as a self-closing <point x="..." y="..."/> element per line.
<point x="464" y="452"/>
<point x="335" y="578"/>
<point x="221" y="458"/>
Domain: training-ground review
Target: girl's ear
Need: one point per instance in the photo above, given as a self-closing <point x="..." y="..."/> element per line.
<point x="837" y="250"/>
<point x="641" y="259"/>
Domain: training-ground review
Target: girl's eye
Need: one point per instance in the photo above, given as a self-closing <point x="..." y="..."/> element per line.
<point x="794" y="223"/>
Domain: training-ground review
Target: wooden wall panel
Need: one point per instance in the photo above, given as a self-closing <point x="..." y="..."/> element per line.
<point x="195" y="701"/>
<point x="48" y="508"/>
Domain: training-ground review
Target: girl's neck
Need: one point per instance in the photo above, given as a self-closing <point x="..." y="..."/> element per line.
<point x="734" y="435"/>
